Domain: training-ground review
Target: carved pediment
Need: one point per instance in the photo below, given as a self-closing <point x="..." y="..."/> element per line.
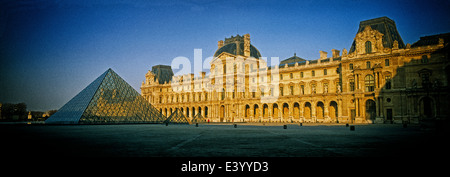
<point x="374" y="37"/>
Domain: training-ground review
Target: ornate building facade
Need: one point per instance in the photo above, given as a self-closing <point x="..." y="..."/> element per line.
<point x="379" y="80"/>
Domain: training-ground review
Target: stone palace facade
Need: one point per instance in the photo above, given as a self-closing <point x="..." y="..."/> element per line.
<point x="379" y="80"/>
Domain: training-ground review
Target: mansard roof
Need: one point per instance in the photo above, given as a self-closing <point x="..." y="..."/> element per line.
<point x="163" y="73"/>
<point x="431" y="40"/>
<point x="385" y="26"/>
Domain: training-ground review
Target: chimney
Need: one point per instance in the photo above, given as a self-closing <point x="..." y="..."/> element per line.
<point x="202" y="74"/>
<point x="323" y="54"/>
<point x="335" y="53"/>
<point x="247" y="45"/>
<point x="220" y="44"/>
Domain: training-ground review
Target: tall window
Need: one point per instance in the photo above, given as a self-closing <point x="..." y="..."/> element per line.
<point x="281" y="91"/>
<point x="313" y="73"/>
<point x="350" y="66"/>
<point x="325" y="72"/>
<point x="281" y="76"/>
<point x="302" y="89"/>
<point x="425" y="80"/>
<point x="368" y="65"/>
<point x="352" y="84"/>
<point x="424" y="59"/>
<point x="301" y="74"/>
<point x="223" y="94"/>
<point x="386" y="62"/>
<point x="368" y="47"/>
<point x="291" y="76"/>
<point x="369" y="82"/>
<point x="291" y="90"/>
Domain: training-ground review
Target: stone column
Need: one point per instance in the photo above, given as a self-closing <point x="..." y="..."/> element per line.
<point x="301" y="111"/>
<point x="280" y="113"/>
<point x="261" y="113"/>
<point x="381" y="107"/>
<point x="339" y="107"/>
<point x="291" y="111"/>
<point x="326" y="117"/>
<point x="313" y="112"/>
<point x="270" y="112"/>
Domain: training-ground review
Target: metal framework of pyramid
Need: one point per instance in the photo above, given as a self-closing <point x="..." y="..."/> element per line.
<point x="177" y="117"/>
<point x="199" y="118"/>
<point x="107" y="100"/>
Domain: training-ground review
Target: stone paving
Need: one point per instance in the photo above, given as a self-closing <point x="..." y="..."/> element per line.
<point x="221" y="140"/>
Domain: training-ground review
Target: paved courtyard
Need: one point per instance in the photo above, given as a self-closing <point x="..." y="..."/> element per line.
<point x="212" y="140"/>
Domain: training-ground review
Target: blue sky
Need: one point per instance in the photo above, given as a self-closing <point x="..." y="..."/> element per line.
<point x="51" y="50"/>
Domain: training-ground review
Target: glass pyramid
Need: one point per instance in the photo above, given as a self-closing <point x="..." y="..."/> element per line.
<point x="107" y="100"/>
<point x="177" y="117"/>
<point x="198" y="118"/>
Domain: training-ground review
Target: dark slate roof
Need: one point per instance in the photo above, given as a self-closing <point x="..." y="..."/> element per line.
<point x="164" y="73"/>
<point x="232" y="49"/>
<point x="292" y="60"/>
<point x="384" y="25"/>
<point x="431" y="40"/>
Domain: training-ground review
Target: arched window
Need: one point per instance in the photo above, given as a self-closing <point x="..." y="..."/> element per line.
<point x="369" y="81"/>
<point x="368" y="47"/>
